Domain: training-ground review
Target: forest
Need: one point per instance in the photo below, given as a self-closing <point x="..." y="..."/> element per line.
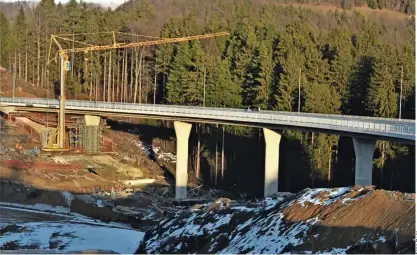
<point x="343" y="61"/>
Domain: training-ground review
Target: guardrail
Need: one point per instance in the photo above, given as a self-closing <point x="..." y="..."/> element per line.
<point x="358" y="124"/>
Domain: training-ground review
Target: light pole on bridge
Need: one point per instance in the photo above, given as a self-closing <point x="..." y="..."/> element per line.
<point x="299" y="91"/>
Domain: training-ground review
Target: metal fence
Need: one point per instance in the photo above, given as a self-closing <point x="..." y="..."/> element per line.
<point x="399" y="128"/>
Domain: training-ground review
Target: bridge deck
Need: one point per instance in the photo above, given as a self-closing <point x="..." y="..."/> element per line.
<point x="382" y="128"/>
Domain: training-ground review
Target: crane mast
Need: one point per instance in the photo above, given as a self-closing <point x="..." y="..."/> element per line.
<point x="59" y="134"/>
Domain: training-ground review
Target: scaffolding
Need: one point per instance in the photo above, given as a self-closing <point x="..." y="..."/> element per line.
<point x="90" y="137"/>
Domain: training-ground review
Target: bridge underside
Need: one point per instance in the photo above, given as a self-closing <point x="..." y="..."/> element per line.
<point x="364" y="145"/>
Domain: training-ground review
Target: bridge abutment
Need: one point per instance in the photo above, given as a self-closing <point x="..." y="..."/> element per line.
<point x="272" y="141"/>
<point x="182" y="132"/>
<point x="364" y="151"/>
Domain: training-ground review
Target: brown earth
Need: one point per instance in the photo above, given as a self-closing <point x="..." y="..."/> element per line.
<point x="388" y="212"/>
<point x="346" y="220"/>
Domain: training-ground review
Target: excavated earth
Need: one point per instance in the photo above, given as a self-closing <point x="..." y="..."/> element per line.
<point x="341" y="220"/>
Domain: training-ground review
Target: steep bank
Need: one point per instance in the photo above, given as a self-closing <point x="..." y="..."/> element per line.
<point x="343" y="220"/>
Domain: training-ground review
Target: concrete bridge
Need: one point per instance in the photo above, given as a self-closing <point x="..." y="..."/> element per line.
<point x="364" y="130"/>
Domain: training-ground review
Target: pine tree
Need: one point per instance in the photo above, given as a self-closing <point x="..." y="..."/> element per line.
<point x="4" y="27"/>
<point x="194" y="78"/>
<point x="178" y="75"/>
<point x="221" y="91"/>
<point x="339" y="52"/>
<point x="382" y="98"/>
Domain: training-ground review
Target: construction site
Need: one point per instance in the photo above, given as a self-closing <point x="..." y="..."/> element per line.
<point x="64" y="175"/>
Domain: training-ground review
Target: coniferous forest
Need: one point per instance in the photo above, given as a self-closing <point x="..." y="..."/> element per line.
<point x="344" y="60"/>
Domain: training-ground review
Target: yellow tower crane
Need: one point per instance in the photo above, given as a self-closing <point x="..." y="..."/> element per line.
<point x="56" y="142"/>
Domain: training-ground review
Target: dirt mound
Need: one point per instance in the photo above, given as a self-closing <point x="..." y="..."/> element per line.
<point x="342" y="220"/>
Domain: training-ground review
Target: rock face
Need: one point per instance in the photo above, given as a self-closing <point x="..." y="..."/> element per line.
<point x="342" y="220"/>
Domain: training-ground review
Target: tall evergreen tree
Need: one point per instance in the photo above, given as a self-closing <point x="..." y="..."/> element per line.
<point x="382" y="98"/>
<point x="4" y="26"/>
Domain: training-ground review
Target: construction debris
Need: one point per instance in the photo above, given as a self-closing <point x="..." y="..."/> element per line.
<point x="138" y="182"/>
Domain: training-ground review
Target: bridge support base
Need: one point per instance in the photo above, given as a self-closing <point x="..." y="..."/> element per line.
<point x="364" y="151"/>
<point x="182" y="132"/>
<point x="272" y="141"/>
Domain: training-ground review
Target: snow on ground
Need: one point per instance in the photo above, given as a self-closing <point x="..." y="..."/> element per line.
<point x="67" y="237"/>
<point x="39" y="207"/>
<point x="157" y="152"/>
<point x="330" y="196"/>
<point x="249" y="230"/>
<point x="276" y="235"/>
<point x="68" y="197"/>
<point x="26" y="228"/>
<point x="70" y="217"/>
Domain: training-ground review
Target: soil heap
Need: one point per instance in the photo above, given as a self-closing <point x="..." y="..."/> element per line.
<point x="341" y="220"/>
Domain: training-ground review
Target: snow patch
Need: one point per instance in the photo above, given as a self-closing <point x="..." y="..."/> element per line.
<point x="269" y="233"/>
<point x="75" y="237"/>
<point x="40" y="207"/>
<point x="68" y="197"/>
<point x="157" y="152"/>
<point x="310" y="196"/>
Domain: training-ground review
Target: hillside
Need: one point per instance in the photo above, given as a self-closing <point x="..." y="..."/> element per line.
<point x="314" y="221"/>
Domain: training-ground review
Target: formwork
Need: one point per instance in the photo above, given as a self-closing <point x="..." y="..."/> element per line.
<point x="90" y="137"/>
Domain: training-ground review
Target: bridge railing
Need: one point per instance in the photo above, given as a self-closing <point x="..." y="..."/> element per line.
<point x="398" y="126"/>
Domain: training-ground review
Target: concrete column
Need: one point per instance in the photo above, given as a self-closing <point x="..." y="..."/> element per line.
<point x="364" y="151"/>
<point x="182" y="131"/>
<point x="91" y="120"/>
<point x="272" y="140"/>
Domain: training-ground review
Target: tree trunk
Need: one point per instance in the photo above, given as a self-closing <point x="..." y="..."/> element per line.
<point x="136" y="77"/>
<point x="97" y="82"/>
<point x="216" y="155"/>
<point x="72" y="55"/>
<point x="329" y="174"/>
<point x="118" y="80"/>
<point x="26" y="64"/>
<point x="381" y="181"/>
<point x="104" y="78"/>
<point x="42" y="70"/>
<point x="125" y="76"/>
<point x="131" y="77"/>
<point x="39" y="61"/>
<point x="20" y="65"/>
<point x="223" y="153"/>
<point x="123" y="81"/>
<point x="121" y="84"/>
<point x="112" y="87"/>
<point x="197" y="172"/>
<point x="140" y="74"/>
<point x="154" y="88"/>
<point x="33" y="71"/>
<point x="109" y="83"/>
<point x="91" y="90"/>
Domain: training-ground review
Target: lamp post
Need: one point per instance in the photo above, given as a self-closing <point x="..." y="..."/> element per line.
<point x="299" y="91"/>
<point x="204" y="88"/>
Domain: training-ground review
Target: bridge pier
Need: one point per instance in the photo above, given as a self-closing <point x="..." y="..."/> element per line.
<point x="91" y="120"/>
<point x="182" y="132"/>
<point x="272" y="141"/>
<point x="364" y="151"/>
